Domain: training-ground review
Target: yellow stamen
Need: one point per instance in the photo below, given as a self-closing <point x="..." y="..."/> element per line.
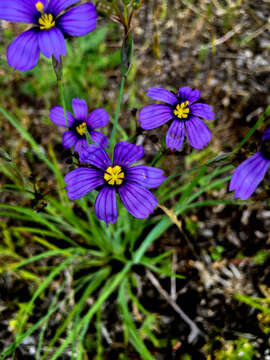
<point x="39" y="6"/>
<point x="81" y="129"/>
<point x="181" y="110"/>
<point x="46" y="22"/>
<point x="114" y="175"/>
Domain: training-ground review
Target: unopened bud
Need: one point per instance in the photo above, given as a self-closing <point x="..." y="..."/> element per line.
<point x="136" y="4"/>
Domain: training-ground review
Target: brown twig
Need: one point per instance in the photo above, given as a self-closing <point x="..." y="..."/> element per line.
<point x="195" y="331"/>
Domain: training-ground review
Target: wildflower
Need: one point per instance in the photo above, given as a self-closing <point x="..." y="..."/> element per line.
<point x="76" y="135"/>
<point x="250" y="173"/>
<point x="51" y="26"/>
<point x="130" y="182"/>
<point x="184" y="113"/>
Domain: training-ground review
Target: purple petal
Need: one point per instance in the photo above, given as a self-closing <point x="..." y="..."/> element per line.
<point x="69" y="139"/>
<point x="197" y="132"/>
<point x="266" y="134"/>
<point x="105" y="205"/>
<point x="126" y="154"/>
<point x="18" y="11"/>
<point x="153" y="116"/>
<point x="139" y="202"/>
<point x="162" y="95"/>
<point x="241" y="171"/>
<point x="98" y="118"/>
<point x="82" y="180"/>
<point x="79" y="20"/>
<point x="99" y="138"/>
<point x="187" y="94"/>
<point x="23" y="52"/>
<point x="57" y="116"/>
<point x="147" y="176"/>
<point x="96" y="156"/>
<point x="52" y="42"/>
<point x="56" y="6"/>
<point x="202" y="110"/>
<point x="80" y="109"/>
<point x="175" y="135"/>
<point x="248" y="175"/>
<point x="81" y="146"/>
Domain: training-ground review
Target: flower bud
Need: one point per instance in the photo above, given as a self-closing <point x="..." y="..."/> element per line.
<point x="136" y="4"/>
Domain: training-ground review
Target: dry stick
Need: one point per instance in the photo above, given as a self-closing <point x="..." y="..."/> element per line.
<point x="195" y="331"/>
<point x="225" y="37"/>
<point x="178" y="223"/>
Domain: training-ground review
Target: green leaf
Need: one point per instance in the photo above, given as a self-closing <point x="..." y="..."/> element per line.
<point x="38" y="150"/>
<point x="254" y="302"/>
<point x="134" y="337"/>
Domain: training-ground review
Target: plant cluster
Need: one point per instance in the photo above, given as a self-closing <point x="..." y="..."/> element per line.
<point x="103" y="175"/>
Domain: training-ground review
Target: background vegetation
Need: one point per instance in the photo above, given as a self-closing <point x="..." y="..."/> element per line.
<point x="190" y="282"/>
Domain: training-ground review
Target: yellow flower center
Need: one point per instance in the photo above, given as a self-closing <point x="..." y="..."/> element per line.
<point x="181" y="110"/>
<point x="46" y="21"/>
<point x="114" y="176"/>
<point x="81" y="129"/>
<point x="39" y="6"/>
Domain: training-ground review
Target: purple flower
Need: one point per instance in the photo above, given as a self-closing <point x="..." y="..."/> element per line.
<point x="76" y="135"/>
<point x="184" y="113"/>
<point x="250" y="173"/>
<point x="51" y="26"/>
<point x="130" y="182"/>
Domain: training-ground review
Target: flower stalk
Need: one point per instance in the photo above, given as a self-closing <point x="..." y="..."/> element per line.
<point x="62" y="97"/>
<point x="115" y="123"/>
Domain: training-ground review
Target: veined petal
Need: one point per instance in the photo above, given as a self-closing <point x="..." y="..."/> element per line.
<point x="146" y="176"/>
<point x="99" y="138"/>
<point x="18" y="11"/>
<point x="82" y="180"/>
<point x="23" y="52"/>
<point x="56" y="6"/>
<point x="96" y="156"/>
<point x="197" y="132"/>
<point x="98" y="118"/>
<point x="126" y="154"/>
<point x="106" y="206"/>
<point x="68" y="139"/>
<point x="153" y="116"/>
<point x="79" y="20"/>
<point x="175" y="135"/>
<point x="138" y="201"/>
<point x="52" y="42"/>
<point x="57" y="116"/>
<point x="248" y="175"/>
<point x="187" y="94"/>
<point x="80" y="108"/>
<point x="243" y="169"/>
<point x="80" y="146"/>
<point x="161" y="94"/>
<point x="202" y="110"/>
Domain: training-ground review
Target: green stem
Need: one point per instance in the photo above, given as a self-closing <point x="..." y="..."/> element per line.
<point x="88" y="138"/>
<point x="115" y="123"/>
<point x="62" y="97"/>
<point x="133" y="138"/>
<point x="118" y="12"/>
<point x="126" y="15"/>
<point x="159" y="154"/>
